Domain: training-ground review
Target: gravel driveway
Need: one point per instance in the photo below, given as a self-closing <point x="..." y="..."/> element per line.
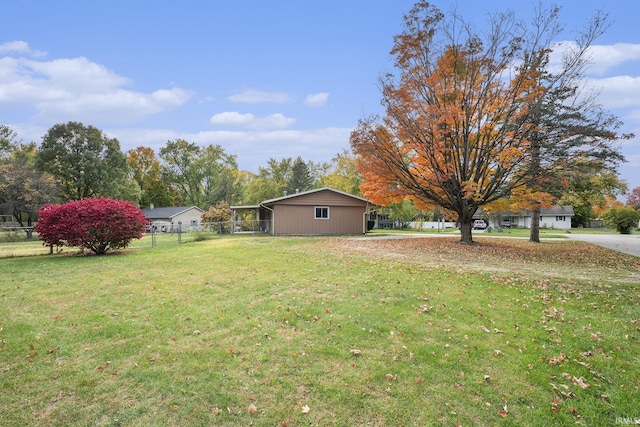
<point x="627" y="243"/>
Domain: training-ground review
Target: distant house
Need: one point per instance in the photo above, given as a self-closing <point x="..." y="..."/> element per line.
<point x="556" y="217"/>
<point x="181" y="218"/>
<point x="323" y="211"/>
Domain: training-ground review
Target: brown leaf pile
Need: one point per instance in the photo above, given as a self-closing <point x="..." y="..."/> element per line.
<point x="554" y="258"/>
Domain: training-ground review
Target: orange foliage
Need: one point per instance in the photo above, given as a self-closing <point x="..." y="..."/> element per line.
<point x="610" y="202"/>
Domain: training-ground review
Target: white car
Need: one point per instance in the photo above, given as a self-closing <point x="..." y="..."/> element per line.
<point x="479" y="224"/>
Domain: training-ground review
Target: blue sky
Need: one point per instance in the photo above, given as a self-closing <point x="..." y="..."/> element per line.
<point x="262" y="79"/>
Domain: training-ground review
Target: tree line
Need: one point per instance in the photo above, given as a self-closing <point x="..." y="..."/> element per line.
<point x="75" y="162"/>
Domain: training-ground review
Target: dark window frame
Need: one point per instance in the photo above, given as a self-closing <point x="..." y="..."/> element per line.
<point x="321" y="212"/>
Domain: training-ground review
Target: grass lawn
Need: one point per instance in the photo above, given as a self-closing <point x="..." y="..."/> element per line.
<point x="284" y="331"/>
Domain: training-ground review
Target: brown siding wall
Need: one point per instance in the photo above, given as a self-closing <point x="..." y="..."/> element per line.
<point x="297" y="214"/>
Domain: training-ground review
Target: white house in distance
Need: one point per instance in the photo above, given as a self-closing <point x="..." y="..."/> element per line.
<point x="556" y="217"/>
<point x="181" y="218"/>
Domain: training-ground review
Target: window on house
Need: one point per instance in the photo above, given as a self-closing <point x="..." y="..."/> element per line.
<point x="322" y="212"/>
<point x="560" y="218"/>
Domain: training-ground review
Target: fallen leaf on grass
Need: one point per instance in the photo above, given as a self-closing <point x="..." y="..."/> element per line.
<point x="252" y="409"/>
<point x="356" y="352"/>
<point x="390" y="377"/>
<point x="580" y="382"/>
<point x="575" y="380"/>
<point x="305" y="409"/>
<point x="558" y="359"/>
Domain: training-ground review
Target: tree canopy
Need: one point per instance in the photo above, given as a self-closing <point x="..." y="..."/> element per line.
<point x="203" y="176"/>
<point x="146" y="170"/>
<point x="85" y="163"/>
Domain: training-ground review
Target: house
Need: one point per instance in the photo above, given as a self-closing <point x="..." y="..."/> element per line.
<point x="556" y="217"/>
<point x="181" y="218"/>
<point x="323" y="211"/>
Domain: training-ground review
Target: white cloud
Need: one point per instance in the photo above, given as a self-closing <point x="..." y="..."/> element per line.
<point x="617" y="91"/>
<point x="605" y="57"/>
<point x="79" y="89"/>
<point x="273" y="121"/>
<point x="251" y="96"/>
<point x="231" y="118"/>
<point x="249" y="121"/>
<point x="253" y="148"/>
<point x="119" y="106"/>
<point x="74" y="73"/>
<point x="602" y="58"/>
<point x="19" y="47"/>
<point x="317" y="99"/>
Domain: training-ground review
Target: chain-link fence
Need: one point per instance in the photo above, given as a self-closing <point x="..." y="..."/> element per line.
<point x="160" y="236"/>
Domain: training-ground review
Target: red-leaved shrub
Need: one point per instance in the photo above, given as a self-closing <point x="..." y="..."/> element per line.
<point x="95" y="224"/>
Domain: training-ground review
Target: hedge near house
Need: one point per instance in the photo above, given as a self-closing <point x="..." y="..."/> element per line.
<point x="98" y="225"/>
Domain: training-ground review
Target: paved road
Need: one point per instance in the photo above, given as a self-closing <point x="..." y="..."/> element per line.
<point x="629" y="243"/>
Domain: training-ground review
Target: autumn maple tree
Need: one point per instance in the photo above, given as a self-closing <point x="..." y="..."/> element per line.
<point x="98" y="225"/>
<point x="466" y="113"/>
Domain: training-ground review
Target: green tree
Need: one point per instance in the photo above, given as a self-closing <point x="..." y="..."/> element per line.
<point x="85" y="163"/>
<point x="8" y="140"/>
<point x="300" y="178"/>
<point x="342" y="174"/>
<point x="402" y="212"/>
<point x="588" y="187"/>
<point x="270" y="182"/>
<point x="623" y="219"/>
<point x="278" y="178"/>
<point x="23" y="189"/>
<point x="203" y="176"/>
<point x="146" y="170"/>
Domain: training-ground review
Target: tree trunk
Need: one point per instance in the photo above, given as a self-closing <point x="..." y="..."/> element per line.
<point x="534" y="235"/>
<point x="465" y="232"/>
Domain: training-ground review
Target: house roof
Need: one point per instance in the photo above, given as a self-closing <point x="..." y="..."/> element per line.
<point x="245" y="207"/>
<point x="557" y="210"/>
<point x="167" y="212"/>
<point x="303" y="193"/>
